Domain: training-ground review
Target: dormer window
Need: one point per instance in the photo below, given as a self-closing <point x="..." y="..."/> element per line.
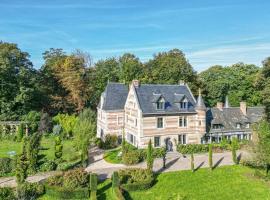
<point x="161" y="104"/>
<point x="238" y="125"/>
<point x="247" y="125"/>
<point x="183" y="105"/>
<point x="217" y="126"/>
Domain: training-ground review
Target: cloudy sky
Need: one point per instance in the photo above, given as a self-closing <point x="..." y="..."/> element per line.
<point x="208" y="32"/>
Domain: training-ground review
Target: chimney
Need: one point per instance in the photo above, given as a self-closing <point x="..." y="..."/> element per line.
<point x="243" y="107"/>
<point x="181" y="82"/>
<point x="227" y="104"/>
<point x="220" y="105"/>
<point x="136" y="83"/>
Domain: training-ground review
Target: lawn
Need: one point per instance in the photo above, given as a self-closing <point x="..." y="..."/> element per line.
<point x="47" y="143"/>
<point x="111" y="156"/>
<point x="230" y="182"/>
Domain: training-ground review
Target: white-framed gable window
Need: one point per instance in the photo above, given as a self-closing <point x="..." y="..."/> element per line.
<point x="183" y="104"/>
<point x="238" y="125"/>
<point x="160" y="122"/>
<point x="161" y="104"/>
<point x="247" y="125"/>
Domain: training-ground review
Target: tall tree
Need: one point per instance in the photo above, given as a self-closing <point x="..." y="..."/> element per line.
<point x="170" y="67"/>
<point x="236" y="81"/>
<point x="263" y="85"/>
<point x="131" y="68"/>
<point x="19" y="91"/>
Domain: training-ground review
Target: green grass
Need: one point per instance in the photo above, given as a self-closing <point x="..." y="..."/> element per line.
<point x="111" y="156"/>
<point x="230" y="182"/>
<point x="69" y="152"/>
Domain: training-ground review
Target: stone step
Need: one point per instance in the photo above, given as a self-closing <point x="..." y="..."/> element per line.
<point x="173" y="154"/>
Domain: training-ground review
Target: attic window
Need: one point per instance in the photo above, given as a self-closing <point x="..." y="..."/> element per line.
<point x="183" y="105"/>
<point x="238" y="125"/>
<point x="217" y="126"/>
<point x="247" y="125"/>
<point x="161" y="104"/>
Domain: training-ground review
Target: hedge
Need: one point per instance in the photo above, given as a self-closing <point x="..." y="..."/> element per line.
<point x="135" y="179"/>
<point x="67" y="193"/>
<point x="7" y="193"/>
<point x="93" y="195"/>
<point x="68" y="165"/>
<point x="192" y="148"/>
<point x="117" y="193"/>
<point x="7" y="165"/>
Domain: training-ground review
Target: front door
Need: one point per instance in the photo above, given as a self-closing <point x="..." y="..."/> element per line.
<point x="169" y="144"/>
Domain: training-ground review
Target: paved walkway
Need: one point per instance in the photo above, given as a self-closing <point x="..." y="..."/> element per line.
<point x="11" y="181"/>
<point x="174" y="162"/>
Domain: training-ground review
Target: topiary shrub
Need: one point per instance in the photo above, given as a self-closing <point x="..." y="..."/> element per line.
<point x="115" y="179"/>
<point x="150" y="159"/>
<point x="58" y="148"/>
<point x="192" y="148"/>
<point x="56" y="192"/>
<point x="75" y="178"/>
<point x="118" y="193"/>
<point x="7" y="165"/>
<point x="131" y="157"/>
<point x="210" y="154"/>
<point x="7" y="193"/>
<point x="110" y="142"/>
<point x="48" y="166"/>
<point x="135" y="179"/>
<point x="30" y="190"/>
<point x="192" y="162"/>
<point x="93" y="182"/>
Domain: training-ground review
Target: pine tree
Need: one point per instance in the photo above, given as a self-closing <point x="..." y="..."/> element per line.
<point x="150" y="159"/>
<point x="115" y="179"/>
<point x="192" y="162"/>
<point x="234" y="156"/>
<point x="210" y="156"/>
<point x="58" y="147"/>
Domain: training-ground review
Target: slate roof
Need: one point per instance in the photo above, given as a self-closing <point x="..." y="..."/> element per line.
<point x="229" y="117"/>
<point x="146" y="93"/>
<point x="115" y="96"/>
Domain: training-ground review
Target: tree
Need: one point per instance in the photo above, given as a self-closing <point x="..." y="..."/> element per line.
<point x="263" y="85"/>
<point x="22" y="163"/>
<point x="262" y="143"/>
<point x="93" y="184"/>
<point x="169" y="68"/>
<point x="45" y="123"/>
<point x="115" y="179"/>
<point x="19" y="91"/>
<point x="210" y="154"/>
<point x="192" y="162"/>
<point x="32" y="151"/>
<point x="150" y="158"/>
<point x="84" y="133"/>
<point x="32" y="118"/>
<point x="236" y="81"/>
<point x="130" y="67"/>
<point x="67" y="123"/>
<point x="234" y="148"/>
<point x="58" y="148"/>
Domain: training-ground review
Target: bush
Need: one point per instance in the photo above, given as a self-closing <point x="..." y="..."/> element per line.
<point x="7" y="194"/>
<point x="115" y="179"/>
<point x="131" y="157"/>
<point x="93" y="195"/>
<point x="110" y="142"/>
<point x="252" y="163"/>
<point x="71" y="179"/>
<point x="30" y="191"/>
<point x="7" y="165"/>
<point x="67" y="193"/>
<point x="192" y="148"/>
<point x="150" y="159"/>
<point x="48" y="166"/>
<point x="68" y="165"/>
<point x="93" y="182"/>
<point x="135" y="179"/>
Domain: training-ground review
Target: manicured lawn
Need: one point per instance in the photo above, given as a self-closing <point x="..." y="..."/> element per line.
<point x="69" y="152"/>
<point x="111" y="156"/>
<point x="230" y="182"/>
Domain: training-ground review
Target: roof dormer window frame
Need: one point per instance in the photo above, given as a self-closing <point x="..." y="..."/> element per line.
<point x="160" y="104"/>
<point x="183" y="104"/>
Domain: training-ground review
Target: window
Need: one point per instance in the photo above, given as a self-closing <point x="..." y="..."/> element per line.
<point x="160" y="105"/>
<point x="131" y="138"/>
<point x="182" y="139"/>
<point x="156" y="141"/>
<point x="183" y="105"/>
<point x="120" y="120"/>
<point x="217" y="126"/>
<point x="136" y="122"/>
<point x="160" y="122"/>
<point x="238" y="125"/>
<point x="239" y="137"/>
<point x="247" y="125"/>
<point x="101" y="133"/>
<point x="183" y="121"/>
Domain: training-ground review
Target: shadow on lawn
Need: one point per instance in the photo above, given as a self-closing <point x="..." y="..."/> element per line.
<point x="169" y="164"/>
<point x="101" y="193"/>
<point x="218" y="163"/>
<point x="199" y="166"/>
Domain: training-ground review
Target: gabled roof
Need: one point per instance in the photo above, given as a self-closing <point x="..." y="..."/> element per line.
<point x="229" y="117"/>
<point x="115" y="96"/>
<point x="146" y="94"/>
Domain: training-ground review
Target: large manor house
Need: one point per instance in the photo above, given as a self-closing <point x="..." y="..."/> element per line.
<point x="170" y="115"/>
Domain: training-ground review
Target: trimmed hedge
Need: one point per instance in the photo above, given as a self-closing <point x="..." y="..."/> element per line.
<point x="7" y="165"/>
<point x="131" y="157"/>
<point x="67" y="193"/>
<point x="68" y="165"/>
<point x="7" y="193"/>
<point x="118" y="193"/>
<point x="135" y="179"/>
<point x="192" y="148"/>
<point x="30" y="191"/>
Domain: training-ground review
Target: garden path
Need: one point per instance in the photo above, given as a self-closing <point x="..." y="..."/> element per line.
<point x="174" y="162"/>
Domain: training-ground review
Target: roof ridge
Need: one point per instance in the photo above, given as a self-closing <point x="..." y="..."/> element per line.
<point x="158" y="84"/>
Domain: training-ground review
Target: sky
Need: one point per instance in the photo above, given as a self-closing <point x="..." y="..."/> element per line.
<point x="208" y="32"/>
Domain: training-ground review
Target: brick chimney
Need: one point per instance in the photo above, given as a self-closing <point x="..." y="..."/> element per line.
<point x="181" y="82"/>
<point x="136" y="83"/>
<point x="243" y="107"/>
<point x="220" y="105"/>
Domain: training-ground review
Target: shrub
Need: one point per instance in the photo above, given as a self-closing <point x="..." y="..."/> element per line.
<point x="93" y="182"/>
<point x="192" y="162"/>
<point x="159" y="152"/>
<point x="56" y="180"/>
<point x="56" y="192"/>
<point x="21" y="169"/>
<point x="115" y="179"/>
<point x="110" y="142"/>
<point x="252" y="163"/>
<point x="234" y="156"/>
<point x="135" y="179"/>
<point x="7" y="194"/>
<point x="7" y="165"/>
<point x="192" y="148"/>
<point x="20" y="133"/>
<point x="75" y="178"/>
<point x="58" y="148"/>
<point x="68" y="165"/>
<point x="131" y="157"/>
<point x="150" y="159"/>
<point x="48" y="166"/>
<point x="210" y="156"/>
<point x="30" y="191"/>
<point x="118" y="193"/>
<point x="93" y="195"/>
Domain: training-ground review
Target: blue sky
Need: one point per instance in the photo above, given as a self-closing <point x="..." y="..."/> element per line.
<point x="208" y="32"/>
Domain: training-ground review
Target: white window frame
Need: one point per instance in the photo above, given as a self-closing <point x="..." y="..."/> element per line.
<point x="184" y="120"/>
<point x="162" y="122"/>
